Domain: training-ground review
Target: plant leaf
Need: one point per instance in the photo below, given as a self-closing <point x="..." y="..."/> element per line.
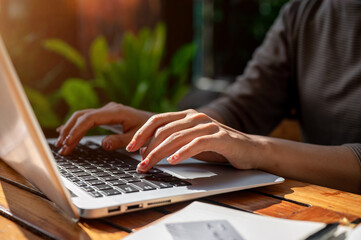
<point x="79" y="94"/>
<point x="140" y="94"/>
<point x="42" y="108"/>
<point x="182" y="58"/>
<point x="99" y="55"/>
<point x="68" y="52"/>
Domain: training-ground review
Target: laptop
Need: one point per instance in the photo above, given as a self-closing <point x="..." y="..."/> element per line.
<point x="93" y="183"/>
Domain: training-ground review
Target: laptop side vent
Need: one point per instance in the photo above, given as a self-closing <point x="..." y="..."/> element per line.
<point x="114" y="209"/>
<point x="159" y="202"/>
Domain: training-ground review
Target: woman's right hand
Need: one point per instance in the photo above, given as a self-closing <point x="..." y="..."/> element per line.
<point x="113" y="113"/>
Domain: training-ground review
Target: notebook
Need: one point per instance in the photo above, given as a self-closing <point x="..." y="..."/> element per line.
<point x="92" y="183"/>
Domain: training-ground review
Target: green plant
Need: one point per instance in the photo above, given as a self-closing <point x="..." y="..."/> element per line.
<point x="138" y="79"/>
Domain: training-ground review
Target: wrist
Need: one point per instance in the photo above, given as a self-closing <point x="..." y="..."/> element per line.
<point x="259" y="146"/>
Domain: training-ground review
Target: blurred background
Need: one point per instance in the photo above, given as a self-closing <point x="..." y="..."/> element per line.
<point x="158" y="55"/>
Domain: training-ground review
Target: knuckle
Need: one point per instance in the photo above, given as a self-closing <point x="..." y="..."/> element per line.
<point x="155" y="118"/>
<point x="190" y="111"/>
<point x="86" y="117"/>
<point x="199" y="116"/>
<point x="77" y="114"/>
<point x="200" y="140"/>
<point x="211" y="127"/>
<point x="175" y="136"/>
<point x="159" y="132"/>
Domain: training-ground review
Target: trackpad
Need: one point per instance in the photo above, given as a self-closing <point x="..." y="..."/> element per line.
<point x="187" y="172"/>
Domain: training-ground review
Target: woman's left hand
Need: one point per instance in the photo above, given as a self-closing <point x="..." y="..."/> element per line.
<point x="185" y="134"/>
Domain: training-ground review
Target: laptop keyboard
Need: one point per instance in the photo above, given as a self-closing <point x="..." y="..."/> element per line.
<point x="101" y="173"/>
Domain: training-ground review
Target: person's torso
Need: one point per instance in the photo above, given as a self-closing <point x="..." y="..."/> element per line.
<point x="328" y="63"/>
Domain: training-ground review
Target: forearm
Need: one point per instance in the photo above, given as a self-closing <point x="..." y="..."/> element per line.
<point x="332" y="166"/>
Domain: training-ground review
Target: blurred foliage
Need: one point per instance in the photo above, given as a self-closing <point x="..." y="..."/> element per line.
<point x="138" y="78"/>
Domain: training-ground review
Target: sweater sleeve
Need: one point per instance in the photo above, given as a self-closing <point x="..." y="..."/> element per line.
<point x="257" y="100"/>
<point x="356" y="148"/>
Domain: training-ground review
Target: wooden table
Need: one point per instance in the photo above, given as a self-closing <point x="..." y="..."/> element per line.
<point x="25" y="213"/>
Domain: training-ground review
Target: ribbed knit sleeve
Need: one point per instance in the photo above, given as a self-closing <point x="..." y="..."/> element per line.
<point x="356" y="148"/>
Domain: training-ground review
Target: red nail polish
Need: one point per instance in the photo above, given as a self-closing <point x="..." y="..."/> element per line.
<point x="173" y="158"/>
<point x="143" y="164"/>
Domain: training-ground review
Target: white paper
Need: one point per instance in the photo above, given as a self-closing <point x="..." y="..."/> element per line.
<point x="356" y="233"/>
<point x="249" y="226"/>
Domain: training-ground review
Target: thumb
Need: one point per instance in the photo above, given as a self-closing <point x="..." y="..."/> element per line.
<point x="115" y="141"/>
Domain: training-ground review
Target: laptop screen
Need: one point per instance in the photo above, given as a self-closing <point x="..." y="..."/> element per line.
<point x="23" y="144"/>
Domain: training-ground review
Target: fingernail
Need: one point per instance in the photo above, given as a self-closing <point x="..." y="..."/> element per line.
<point x="130" y="146"/>
<point x="67" y="140"/>
<point x="63" y="150"/>
<point x="109" y="145"/>
<point x="173" y="158"/>
<point x="143" y="164"/>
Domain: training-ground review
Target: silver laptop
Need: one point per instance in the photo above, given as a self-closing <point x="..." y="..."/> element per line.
<point x="93" y="183"/>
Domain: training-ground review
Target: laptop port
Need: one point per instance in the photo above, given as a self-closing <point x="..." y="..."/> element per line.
<point x="114" y="209"/>
<point x="133" y="207"/>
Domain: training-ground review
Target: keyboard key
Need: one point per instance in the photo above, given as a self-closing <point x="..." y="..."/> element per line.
<point x="75" y="170"/>
<point x="74" y="179"/>
<point x="170" y="179"/>
<point x="127" y="188"/>
<point x="102" y="174"/>
<point x="116" y="171"/>
<point x="154" y="170"/>
<point x="109" y="178"/>
<point x="144" y="186"/>
<point x="126" y="169"/>
<point x="142" y="175"/>
<point x="80" y="184"/>
<point x="88" y="189"/>
<point x="103" y="187"/>
<point x="111" y="192"/>
<point x="161" y="184"/>
<point x="67" y="175"/>
<point x="131" y="180"/>
<point x="162" y="175"/>
<point x="82" y="174"/>
<point x="95" y="182"/>
<point x="117" y="183"/>
<point x="95" y="194"/>
<point x="89" y="167"/>
<point x="88" y="178"/>
<point x="94" y="170"/>
<point x="123" y="175"/>
<point x="180" y="183"/>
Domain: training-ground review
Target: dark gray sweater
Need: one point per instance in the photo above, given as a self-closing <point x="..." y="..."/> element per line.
<point x="310" y="61"/>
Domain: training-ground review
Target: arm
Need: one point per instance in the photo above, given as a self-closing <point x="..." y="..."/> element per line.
<point x="181" y="135"/>
<point x="331" y="166"/>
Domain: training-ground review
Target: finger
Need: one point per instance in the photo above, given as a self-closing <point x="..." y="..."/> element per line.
<point x="165" y="131"/>
<point x="116" y="141"/>
<point x="67" y="149"/>
<point x="148" y="129"/>
<point x="141" y="151"/>
<point x="196" y="146"/>
<point x="175" y="128"/>
<point x="92" y="119"/>
<point x="69" y="125"/>
<point x="173" y="143"/>
<point x="59" y="129"/>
